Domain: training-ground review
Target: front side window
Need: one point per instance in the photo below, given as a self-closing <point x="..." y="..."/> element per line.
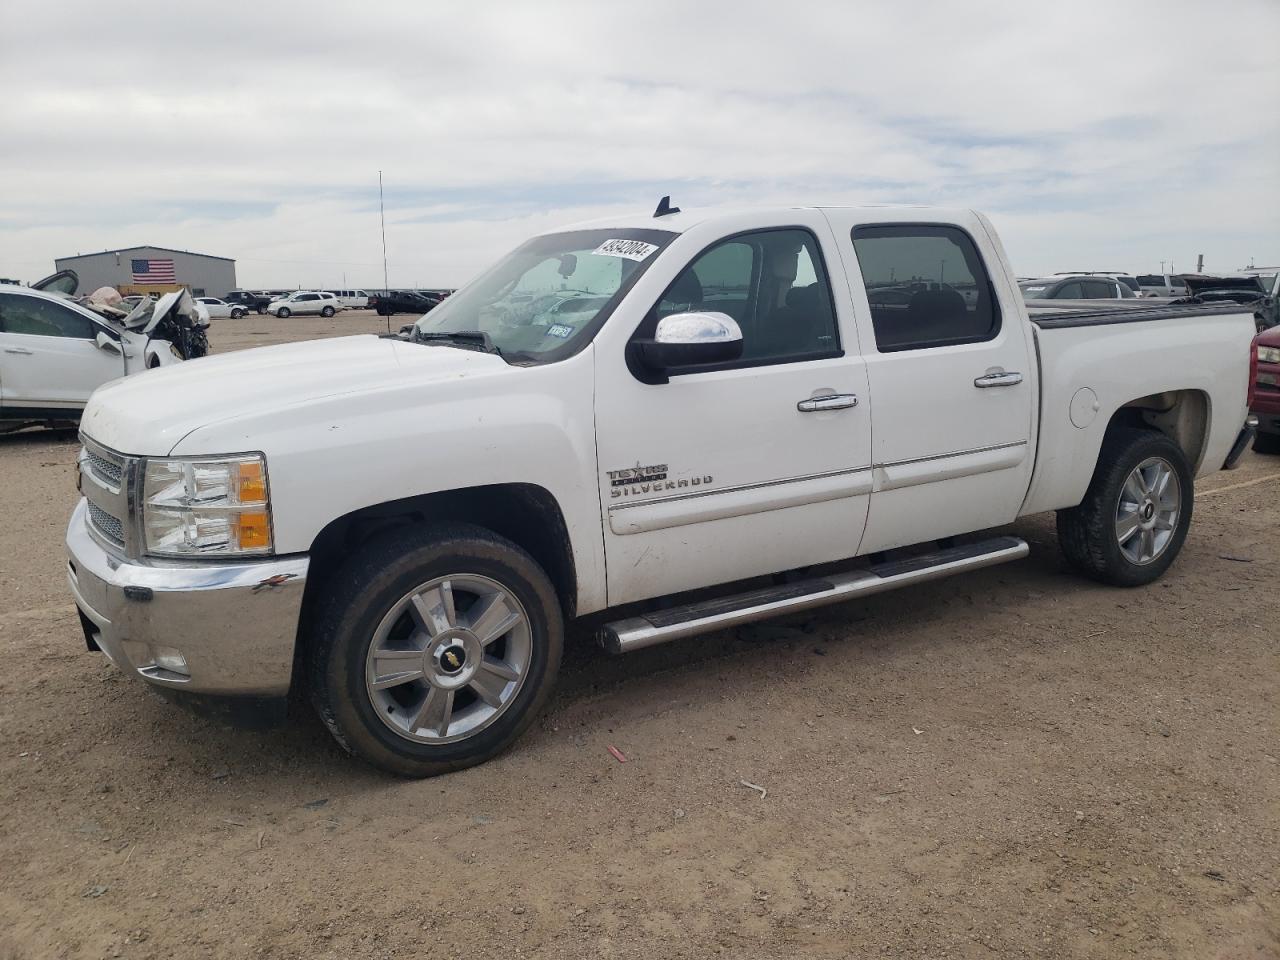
<point x="42" y="318"/>
<point x="772" y="283"/>
<point x="926" y="285"/>
<point x="546" y="299"/>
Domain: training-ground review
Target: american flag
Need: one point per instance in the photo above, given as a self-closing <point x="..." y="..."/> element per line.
<point x="153" y="271"/>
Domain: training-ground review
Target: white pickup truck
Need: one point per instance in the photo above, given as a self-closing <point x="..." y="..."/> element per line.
<point x="776" y="408"/>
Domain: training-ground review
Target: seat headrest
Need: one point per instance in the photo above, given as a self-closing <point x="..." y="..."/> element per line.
<point x="936" y="305"/>
<point x="686" y="289"/>
<point x="803" y="298"/>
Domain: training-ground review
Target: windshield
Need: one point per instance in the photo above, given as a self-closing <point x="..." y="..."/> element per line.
<point x="546" y="299"/>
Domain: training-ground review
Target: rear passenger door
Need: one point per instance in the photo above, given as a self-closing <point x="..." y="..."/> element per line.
<point x="951" y="373"/>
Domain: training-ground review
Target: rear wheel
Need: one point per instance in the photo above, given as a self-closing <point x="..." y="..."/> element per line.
<point x="434" y="649"/>
<point x="327" y="312"/>
<point x="282" y="312"/>
<point x="1266" y="442"/>
<point x="1134" y="517"/>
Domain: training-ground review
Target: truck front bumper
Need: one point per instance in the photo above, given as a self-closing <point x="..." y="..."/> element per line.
<point x="210" y="630"/>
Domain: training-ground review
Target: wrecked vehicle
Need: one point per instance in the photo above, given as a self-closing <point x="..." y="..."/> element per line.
<point x="56" y="349"/>
<point x="711" y="401"/>
<point x="1244" y="290"/>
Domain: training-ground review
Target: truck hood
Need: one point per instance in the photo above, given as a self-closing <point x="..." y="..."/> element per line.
<point x="148" y="414"/>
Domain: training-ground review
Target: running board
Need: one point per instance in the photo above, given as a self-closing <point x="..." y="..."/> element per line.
<point x="676" y="623"/>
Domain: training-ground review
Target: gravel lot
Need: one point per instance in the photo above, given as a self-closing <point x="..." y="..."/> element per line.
<point x="1013" y="763"/>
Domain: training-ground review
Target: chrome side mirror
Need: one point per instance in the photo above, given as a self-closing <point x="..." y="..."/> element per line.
<point x="692" y="339"/>
<point x="106" y="343"/>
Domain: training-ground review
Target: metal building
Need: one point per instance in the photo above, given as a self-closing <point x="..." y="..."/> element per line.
<point x="152" y="270"/>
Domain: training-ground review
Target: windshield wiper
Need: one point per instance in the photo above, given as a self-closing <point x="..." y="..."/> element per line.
<point x="467" y="339"/>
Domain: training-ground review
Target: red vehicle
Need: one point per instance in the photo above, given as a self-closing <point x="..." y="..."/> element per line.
<point x="1266" y="392"/>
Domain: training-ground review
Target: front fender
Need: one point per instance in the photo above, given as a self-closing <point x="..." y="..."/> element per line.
<point x="333" y="457"/>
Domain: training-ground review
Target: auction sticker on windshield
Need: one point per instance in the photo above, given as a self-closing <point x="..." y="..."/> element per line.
<point x="629" y="249"/>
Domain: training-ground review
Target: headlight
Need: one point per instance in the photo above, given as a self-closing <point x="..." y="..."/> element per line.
<point x="1269" y="354"/>
<point x="206" y="506"/>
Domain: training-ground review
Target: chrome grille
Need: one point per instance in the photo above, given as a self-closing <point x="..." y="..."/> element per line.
<point x="109" y="470"/>
<point x="105" y="481"/>
<point x="107" y="525"/>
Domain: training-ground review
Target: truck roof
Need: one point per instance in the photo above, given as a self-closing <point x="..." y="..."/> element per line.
<point x="686" y="219"/>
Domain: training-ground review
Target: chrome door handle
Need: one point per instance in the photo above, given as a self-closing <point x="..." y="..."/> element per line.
<point x="998" y="378"/>
<point x="22" y="350"/>
<point x="832" y="401"/>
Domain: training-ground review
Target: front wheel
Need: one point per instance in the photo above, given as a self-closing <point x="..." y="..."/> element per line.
<point x="282" y="313"/>
<point x="1134" y="517"/>
<point x="433" y="649"/>
<point x="237" y="314"/>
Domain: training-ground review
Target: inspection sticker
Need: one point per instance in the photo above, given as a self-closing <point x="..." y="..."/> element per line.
<point x="628" y="249"/>
<point x="561" y="330"/>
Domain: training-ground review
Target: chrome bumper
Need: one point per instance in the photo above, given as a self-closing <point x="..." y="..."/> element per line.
<point x="234" y="624"/>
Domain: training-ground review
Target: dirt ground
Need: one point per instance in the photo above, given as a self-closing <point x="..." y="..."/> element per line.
<point x="1014" y="763"/>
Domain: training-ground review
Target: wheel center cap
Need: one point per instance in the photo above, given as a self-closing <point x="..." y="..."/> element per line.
<point x="1148" y="510"/>
<point x="451" y="659"/>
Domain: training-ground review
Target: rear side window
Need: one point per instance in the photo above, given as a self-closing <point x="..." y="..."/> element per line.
<point x="1070" y="291"/>
<point x="926" y="285"/>
<point x="41" y="318"/>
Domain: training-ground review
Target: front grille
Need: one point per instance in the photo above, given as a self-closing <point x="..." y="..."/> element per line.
<point x="106" y="524"/>
<point x="109" y="470"/>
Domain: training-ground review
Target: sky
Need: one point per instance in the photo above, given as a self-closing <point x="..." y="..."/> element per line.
<point x="1097" y="135"/>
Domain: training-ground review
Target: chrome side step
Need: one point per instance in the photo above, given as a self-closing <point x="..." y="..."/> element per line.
<point x="675" y="623"/>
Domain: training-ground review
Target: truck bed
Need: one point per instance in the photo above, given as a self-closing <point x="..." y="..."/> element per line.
<point x="1094" y="313"/>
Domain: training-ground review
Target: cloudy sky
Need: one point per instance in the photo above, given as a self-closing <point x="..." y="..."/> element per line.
<point x="1097" y="135"/>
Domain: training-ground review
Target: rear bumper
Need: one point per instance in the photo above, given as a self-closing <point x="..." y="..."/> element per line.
<point x="215" y="630"/>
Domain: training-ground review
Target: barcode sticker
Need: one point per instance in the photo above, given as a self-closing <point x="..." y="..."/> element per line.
<point x="628" y="249"/>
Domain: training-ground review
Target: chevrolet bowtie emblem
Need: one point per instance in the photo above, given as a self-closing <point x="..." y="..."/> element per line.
<point x="453" y="659"/>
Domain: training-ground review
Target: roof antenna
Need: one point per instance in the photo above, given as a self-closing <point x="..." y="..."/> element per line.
<point x="665" y="208"/>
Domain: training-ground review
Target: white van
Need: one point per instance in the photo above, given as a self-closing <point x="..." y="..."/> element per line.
<point x="352" y="299"/>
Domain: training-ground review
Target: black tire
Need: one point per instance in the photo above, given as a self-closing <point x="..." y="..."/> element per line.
<point x="282" y="313"/>
<point x="327" y="312"/>
<point x="1266" y="442"/>
<point x="368" y="586"/>
<point x="237" y="314"/>
<point x="1087" y="533"/>
<point x="261" y="311"/>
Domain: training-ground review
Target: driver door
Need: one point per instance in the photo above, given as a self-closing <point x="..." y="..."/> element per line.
<point x="730" y="471"/>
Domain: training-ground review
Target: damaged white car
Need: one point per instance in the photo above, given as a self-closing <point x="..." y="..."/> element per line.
<point x="56" y="349"/>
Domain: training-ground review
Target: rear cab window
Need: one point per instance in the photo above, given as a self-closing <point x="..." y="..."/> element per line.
<point x="926" y="285"/>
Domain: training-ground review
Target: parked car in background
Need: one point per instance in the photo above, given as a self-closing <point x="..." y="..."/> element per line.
<point x="1161" y="285"/>
<point x="1075" y="287"/>
<point x="403" y="525"/>
<point x="221" y="310"/>
<point x="391" y="302"/>
<point x="1128" y="280"/>
<point x="54" y="352"/>
<point x="352" y="299"/>
<point x="256" y="302"/>
<point x="305" y="302"/>
<point x="1265" y="395"/>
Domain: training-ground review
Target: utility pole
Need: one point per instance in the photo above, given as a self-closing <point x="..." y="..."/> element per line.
<point x="382" y="213"/>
